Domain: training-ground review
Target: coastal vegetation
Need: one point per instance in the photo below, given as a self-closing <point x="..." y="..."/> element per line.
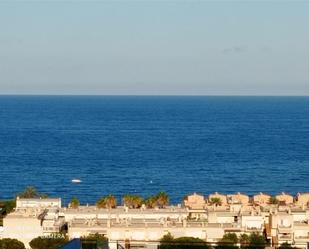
<point x="273" y="200"/>
<point x="132" y="201"/>
<point x="160" y="200"/>
<point x="244" y="241"/>
<point x="48" y="242"/>
<point x="169" y="242"/>
<point x="108" y="201"/>
<point x="74" y="203"/>
<point x="96" y="236"/>
<point x="151" y="201"/>
<point x="286" y="246"/>
<point x="6" y="207"/>
<point x="94" y="241"/>
<point x="229" y="241"/>
<point x="11" y="244"/>
<point x="215" y="201"/>
<point x="31" y="192"/>
<point x="255" y="241"/>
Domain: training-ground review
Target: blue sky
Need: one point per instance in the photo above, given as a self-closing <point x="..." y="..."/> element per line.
<point x="154" y="47"/>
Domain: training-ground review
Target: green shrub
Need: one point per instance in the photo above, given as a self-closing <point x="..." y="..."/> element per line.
<point x="48" y="242"/>
<point x="11" y="244"/>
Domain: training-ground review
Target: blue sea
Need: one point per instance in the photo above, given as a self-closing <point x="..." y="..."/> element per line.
<point x="142" y="145"/>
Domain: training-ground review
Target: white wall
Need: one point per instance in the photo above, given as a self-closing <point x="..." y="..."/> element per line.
<point x="23" y="229"/>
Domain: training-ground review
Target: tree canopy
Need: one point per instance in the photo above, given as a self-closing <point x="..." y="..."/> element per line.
<point x="48" y="242"/>
<point x="31" y="192"/>
<point x="74" y="203"/>
<point x="11" y="244"/>
<point x="215" y="201"/>
<point x="256" y="241"/>
<point x="244" y="240"/>
<point x="96" y="236"/>
<point x="94" y="241"/>
<point x="229" y="241"/>
<point x="132" y="201"/>
<point x="5" y="208"/>
<point x="273" y="200"/>
<point x="286" y="246"/>
<point x="160" y="200"/>
<point x="169" y="242"/>
<point x="108" y="201"/>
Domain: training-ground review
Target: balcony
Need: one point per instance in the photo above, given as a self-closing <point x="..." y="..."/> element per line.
<point x="285" y="229"/>
<point x="282" y="238"/>
<point x="254" y="229"/>
<point x="301" y="239"/>
<point x="285" y="237"/>
<point x="54" y="229"/>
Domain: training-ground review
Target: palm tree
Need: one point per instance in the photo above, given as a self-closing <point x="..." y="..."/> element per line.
<point x="132" y="201"/>
<point x="151" y="201"/>
<point x="111" y="201"/>
<point x="215" y="201"/>
<point x="137" y="201"/>
<point x="101" y="203"/>
<point x="162" y="199"/>
<point x="29" y="192"/>
<point x="128" y="200"/>
<point x="273" y="200"/>
<point x="74" y="203"/>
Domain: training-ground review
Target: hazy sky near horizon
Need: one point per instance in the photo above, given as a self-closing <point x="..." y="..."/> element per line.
<point x="154" y="47"/>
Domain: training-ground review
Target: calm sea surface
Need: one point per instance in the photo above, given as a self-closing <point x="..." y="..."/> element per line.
<point x="147" y="144"/>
